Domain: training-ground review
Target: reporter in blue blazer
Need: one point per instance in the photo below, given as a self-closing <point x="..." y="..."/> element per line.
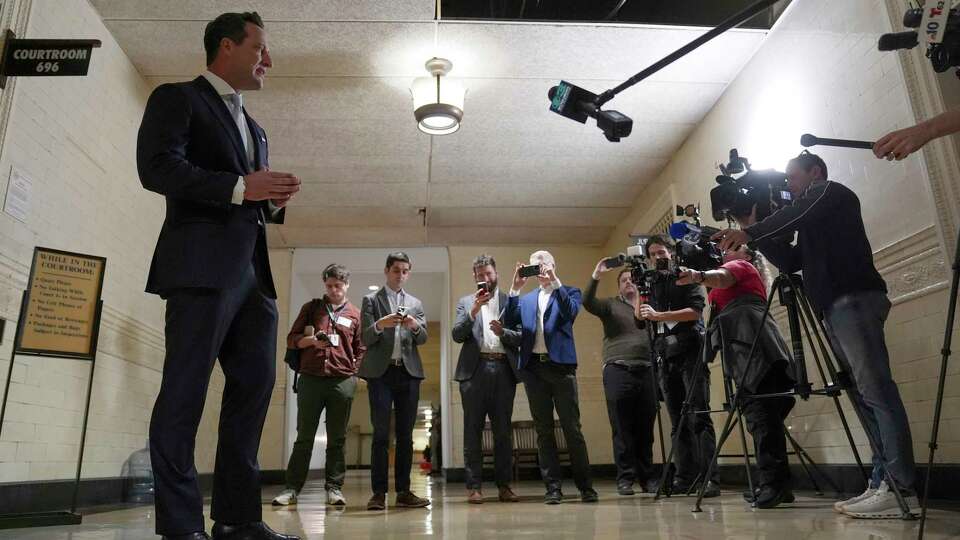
<point x="548" y="358"/>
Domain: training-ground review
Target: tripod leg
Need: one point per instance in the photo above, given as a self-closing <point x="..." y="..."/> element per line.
<point x="727" y="430"/>
<point x="803" y="458"/>
<point x="944" y="359"/>
<point x="746" y="455"/>
<point x="817" y="333"/>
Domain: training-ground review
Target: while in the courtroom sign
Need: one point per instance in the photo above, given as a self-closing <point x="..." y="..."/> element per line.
<point x="61" y="305"/>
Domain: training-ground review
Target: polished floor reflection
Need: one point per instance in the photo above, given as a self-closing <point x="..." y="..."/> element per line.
<point x="615" y="517"/>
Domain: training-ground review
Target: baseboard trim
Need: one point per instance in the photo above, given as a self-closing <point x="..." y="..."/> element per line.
<point x="943" y="480"/>
<point x="30" y="497"/>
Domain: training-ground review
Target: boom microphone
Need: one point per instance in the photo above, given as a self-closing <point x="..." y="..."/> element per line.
<point x="812" y="140"/>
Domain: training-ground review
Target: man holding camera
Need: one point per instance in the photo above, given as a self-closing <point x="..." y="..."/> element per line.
<point x="843" y="284"/>
<point x="487" y="373"/>
<point x="684" y="377"/>
<point x="327" y="332"/>
<point x="627" y="381"/>
<point x="393" y="326"/>
<point x="548" y="360"/>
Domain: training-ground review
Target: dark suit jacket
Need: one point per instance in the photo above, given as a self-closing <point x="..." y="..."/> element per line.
<point x="189" y="150"/>
<point x="557" y="323"/>
<point x="470" y="334"/>
<point x="380" y="345"/>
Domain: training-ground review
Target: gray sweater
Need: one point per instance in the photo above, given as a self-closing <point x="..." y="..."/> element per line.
<point x="623" y="342"/>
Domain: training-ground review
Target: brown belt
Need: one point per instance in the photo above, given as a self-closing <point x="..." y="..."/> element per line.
<point x="493" y="356"/>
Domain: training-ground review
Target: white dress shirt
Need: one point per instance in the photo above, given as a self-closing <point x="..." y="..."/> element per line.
<point x="543" y="300"/>
<point x="490" y="312"/>
<point x="234" y="102"/>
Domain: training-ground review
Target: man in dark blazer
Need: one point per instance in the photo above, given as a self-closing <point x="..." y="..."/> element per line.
<point x="393" y="326"/>
<point x="198" y="148"/>
<point x="488" y="375"/>
<point x="548" y="360"/>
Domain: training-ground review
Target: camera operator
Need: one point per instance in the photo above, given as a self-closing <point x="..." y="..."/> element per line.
<point x="679" y="308"/>
<point x="843" y="284"/>
<point x="738" y="297"/>
<point x="628" y="382"/>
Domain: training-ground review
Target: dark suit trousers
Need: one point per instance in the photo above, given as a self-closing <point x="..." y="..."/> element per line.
<point x="552" y="385"/>
<point x="764" y="419"/>
<point x="489" y="392"/>
<point x="238" y="326"/>
<point x="697" y="440"/>
<point x="631" y="406"/>
<point x="394" y="390"/>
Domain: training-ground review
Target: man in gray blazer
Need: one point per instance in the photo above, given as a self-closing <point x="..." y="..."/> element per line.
<point x="488" y="376"/>
<point x="393" y="326"/>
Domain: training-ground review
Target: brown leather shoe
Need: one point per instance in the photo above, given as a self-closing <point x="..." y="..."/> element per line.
<point x="377" y="502"/>
<point x="408" y="500"/>
<point x="474" y="496"/>
<point x="507" y="495"/>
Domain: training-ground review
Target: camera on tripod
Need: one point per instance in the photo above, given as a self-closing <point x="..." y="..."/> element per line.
<point x="642" y="274"/>
<point x="694" y="249"/>
<point x="940" y="27"/>
<point x="741" y="188"/>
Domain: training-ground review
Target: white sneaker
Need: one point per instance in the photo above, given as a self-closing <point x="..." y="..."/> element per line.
<point x="881" y="505"/>
<point x="286" y="498"/>
<point x="335" y="497"/>
<point x="839" y="505"/>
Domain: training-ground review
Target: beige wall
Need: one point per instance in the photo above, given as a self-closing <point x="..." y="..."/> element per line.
<point x="74" y="138"/>
<point x="801" y="82"/>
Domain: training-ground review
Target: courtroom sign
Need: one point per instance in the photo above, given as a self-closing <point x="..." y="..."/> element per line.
<point x="45" y="57"/>
<point x="60" y="314"/>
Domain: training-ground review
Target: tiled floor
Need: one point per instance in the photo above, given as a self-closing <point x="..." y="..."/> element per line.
<point x="728" y="517"/>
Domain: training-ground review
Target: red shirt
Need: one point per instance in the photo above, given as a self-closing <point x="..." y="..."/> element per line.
<point x="749" y="281"/>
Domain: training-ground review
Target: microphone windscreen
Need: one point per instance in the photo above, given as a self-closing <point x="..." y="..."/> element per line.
<point x="807" y="140"/>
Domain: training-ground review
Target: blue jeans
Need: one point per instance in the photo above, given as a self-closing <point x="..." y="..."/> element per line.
<point x="855" y="327"/>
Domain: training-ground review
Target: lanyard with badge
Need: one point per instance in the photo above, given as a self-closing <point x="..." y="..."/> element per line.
<point x="334" y="315"/>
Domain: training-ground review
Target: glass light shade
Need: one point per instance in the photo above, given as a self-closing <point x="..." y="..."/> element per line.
<point x="437" y="104"/>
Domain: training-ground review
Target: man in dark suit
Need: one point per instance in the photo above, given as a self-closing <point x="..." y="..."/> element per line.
<point x="198" y="148"/>
<point x="548" y="359"/>
<point x="393" y="326"/>
<point x="487" y="372"/>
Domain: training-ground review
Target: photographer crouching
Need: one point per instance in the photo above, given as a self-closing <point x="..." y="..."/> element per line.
<point x="683" y="377"/>
<point x="844" y="286"/>
<point x="738" y="296"/>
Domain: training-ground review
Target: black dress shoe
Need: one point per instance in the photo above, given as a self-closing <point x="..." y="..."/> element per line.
<point x="651" y="485"/>
<point x="680" y="487"/>
<point x="190" y="536"/>
<point x="625" y="489"/>
<point x="256" y="530"/>
<point x="553" y="496"/>
<point x="589" y="495"/>
<point x="769" y="496"/>
<point x="713" y="490"/>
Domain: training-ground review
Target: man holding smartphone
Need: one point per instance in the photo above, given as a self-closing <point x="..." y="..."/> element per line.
<point x="548" y="361"/>
<point x="393" y="327"/>
<point x="327" y="332"/>
<point x="487" y="373"/>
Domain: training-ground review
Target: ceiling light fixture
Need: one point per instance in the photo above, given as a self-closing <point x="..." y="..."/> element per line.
<point x="437" y="99"/>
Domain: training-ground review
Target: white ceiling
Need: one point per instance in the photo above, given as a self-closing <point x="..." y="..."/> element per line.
<point x="338" y="112"/>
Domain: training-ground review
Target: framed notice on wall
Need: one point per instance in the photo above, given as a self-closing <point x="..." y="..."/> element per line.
<point x="61" y="308"/>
